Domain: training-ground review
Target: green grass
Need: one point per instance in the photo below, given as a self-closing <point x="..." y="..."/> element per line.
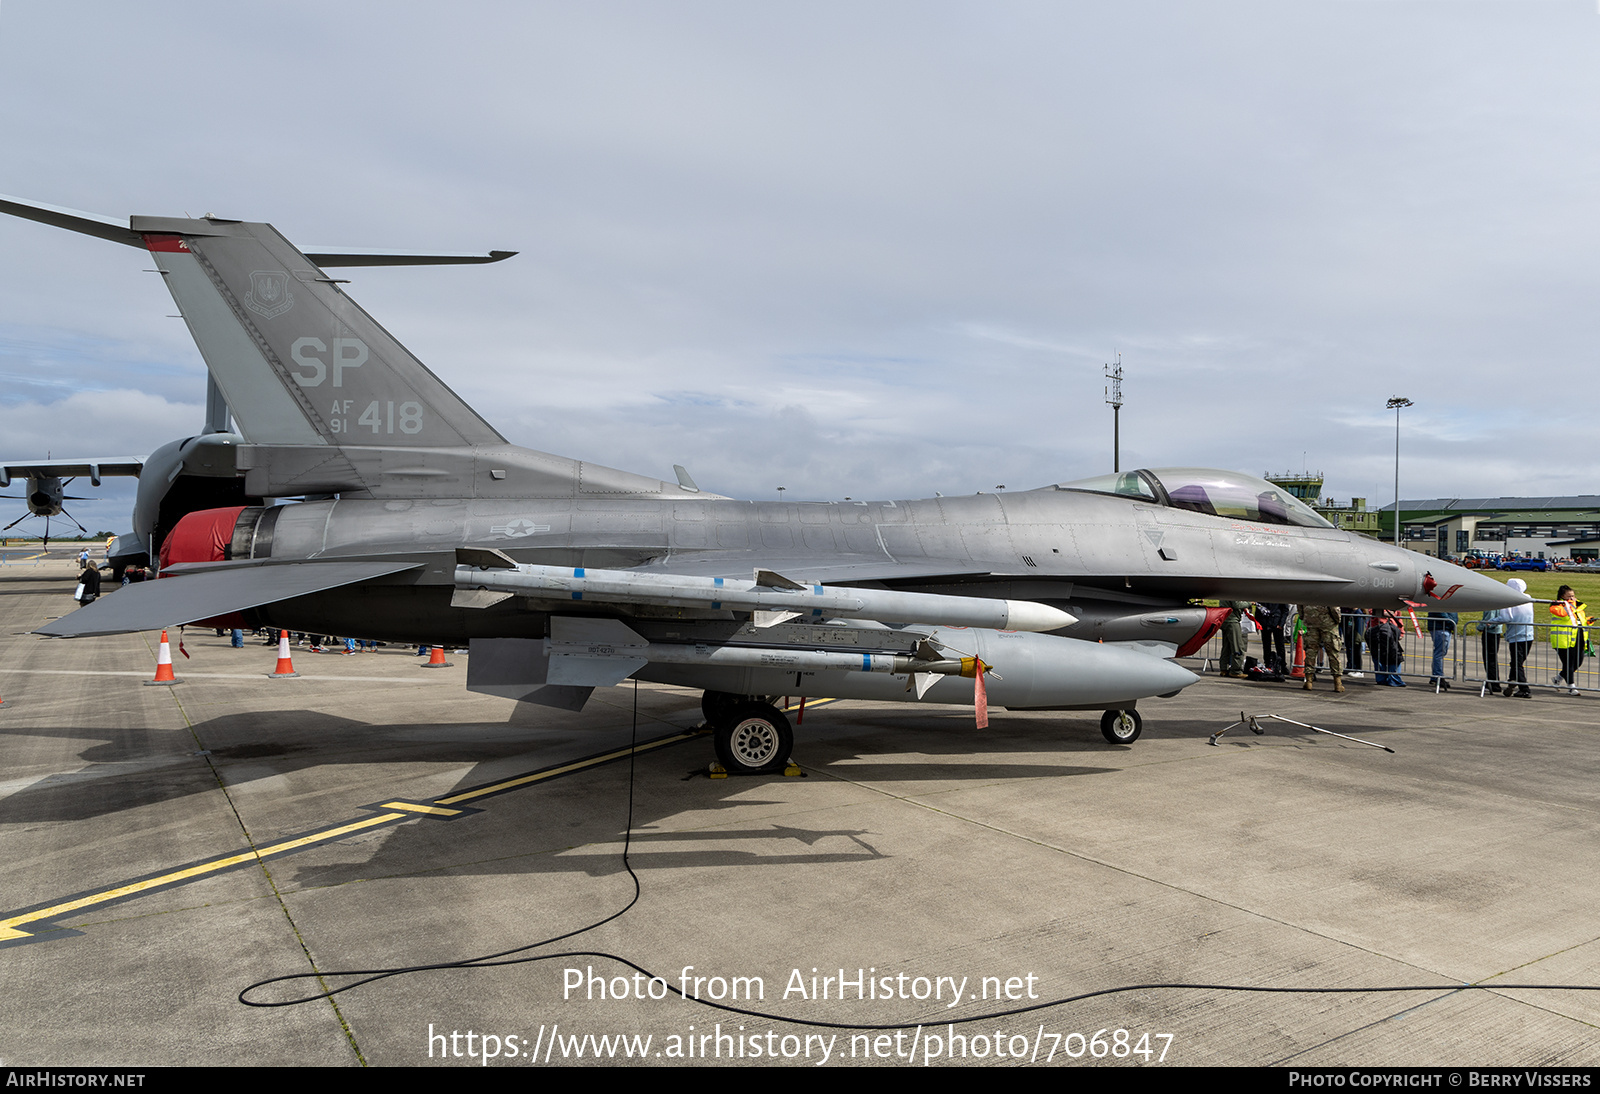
<point x="1542" y="586"/>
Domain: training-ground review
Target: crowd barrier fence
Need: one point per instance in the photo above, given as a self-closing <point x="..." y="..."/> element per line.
<point x="1464" y="663"/>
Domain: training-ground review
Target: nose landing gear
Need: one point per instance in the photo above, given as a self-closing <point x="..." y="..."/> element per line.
<point x="1121" y="727"/>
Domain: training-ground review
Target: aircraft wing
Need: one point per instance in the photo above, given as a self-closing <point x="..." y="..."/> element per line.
<point x="92" y="468"/>
<point x="211" y="592"/>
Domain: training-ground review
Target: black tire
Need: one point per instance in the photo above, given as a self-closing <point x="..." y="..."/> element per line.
<point x="718" y="706"/>
<point x="754" y="740"/>
<point x="1121" y="727"/>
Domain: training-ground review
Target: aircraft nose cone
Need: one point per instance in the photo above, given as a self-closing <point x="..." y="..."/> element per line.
<point x="1456" y="589"/>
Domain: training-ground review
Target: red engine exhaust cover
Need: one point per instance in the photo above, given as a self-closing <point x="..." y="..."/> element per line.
<point x="203" y="536"/>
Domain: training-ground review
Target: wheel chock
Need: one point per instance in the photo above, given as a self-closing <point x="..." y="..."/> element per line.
<point x="792" y="771"/>
<point x="717" y="771"/>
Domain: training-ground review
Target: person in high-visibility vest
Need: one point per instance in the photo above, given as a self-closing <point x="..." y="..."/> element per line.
<point x="1568" y="618"/>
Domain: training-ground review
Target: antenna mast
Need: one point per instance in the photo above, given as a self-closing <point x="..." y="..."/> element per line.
<point x="1114" y="397"/>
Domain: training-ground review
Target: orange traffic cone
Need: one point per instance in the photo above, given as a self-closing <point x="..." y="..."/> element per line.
<point x="285" y="662"/>
<point x="1299" y="670"/>
<point x="164" y="665"/>
<point x="436" y="659"/>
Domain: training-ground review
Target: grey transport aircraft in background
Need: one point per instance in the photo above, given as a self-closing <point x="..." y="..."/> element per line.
<point x="418" y="522"/>
<point x="46" y="489"/>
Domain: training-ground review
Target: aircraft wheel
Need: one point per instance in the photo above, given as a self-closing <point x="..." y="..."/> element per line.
<point x="718" y="706"/>
<point x="1121" y="727"/>
<point x="754" y="740"/>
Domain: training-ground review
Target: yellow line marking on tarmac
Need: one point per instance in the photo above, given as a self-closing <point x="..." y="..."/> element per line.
<point x="415" y="807"/>
<point x="12" y="928"/>
<point x="9" y="931"/>
<point x="550" y="773"/>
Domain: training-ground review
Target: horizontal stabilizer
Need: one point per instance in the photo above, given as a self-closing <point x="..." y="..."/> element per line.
<point x="119" y="230"/>
<point x="73" y="220"/>
<point x="344" y="256"/>
<point x="210" y="593"/>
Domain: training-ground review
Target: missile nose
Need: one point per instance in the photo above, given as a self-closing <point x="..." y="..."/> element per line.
<point x="1026" y="615"/>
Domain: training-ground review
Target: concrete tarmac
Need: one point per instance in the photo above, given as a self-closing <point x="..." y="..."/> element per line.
<point x="165" y="847"/>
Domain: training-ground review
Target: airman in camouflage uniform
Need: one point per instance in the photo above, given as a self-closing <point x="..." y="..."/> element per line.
<point x="1322" y="635"/>
<point x="1233" y="638"/>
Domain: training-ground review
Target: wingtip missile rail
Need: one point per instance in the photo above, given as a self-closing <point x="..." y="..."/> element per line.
<point x="769" y="602"/>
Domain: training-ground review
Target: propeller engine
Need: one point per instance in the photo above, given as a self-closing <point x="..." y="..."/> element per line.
<point x="46" y="497"/>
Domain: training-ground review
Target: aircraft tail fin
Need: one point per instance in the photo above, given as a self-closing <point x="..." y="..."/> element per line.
<point x="299" y="362"/>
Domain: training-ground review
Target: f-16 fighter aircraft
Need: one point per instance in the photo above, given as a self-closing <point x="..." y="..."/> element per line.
<point x="420" y="523"/>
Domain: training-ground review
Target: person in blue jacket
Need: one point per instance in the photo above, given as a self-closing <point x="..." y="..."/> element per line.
<point x="1519" y="641"/>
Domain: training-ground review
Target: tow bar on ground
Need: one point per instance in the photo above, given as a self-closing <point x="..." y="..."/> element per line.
<point x="1255" y="727"/>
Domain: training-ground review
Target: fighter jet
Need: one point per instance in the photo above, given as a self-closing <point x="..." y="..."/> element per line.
<point x="420" y="523"/>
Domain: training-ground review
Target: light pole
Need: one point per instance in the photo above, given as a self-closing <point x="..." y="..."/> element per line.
<point x="1397" y="404"/>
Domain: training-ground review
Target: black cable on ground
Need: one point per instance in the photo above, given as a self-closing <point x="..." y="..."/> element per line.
<point x="508" y="957"/>
<point x="504" y="957"/>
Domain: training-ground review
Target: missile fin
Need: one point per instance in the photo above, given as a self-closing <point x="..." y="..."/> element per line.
<point x="477" y="598"/>
<point x="487" y="558"/>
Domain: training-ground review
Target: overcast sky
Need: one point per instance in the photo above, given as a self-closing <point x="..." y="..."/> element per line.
<point x="857" y="249"/>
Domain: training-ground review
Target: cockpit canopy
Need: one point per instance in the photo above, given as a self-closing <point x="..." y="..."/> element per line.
<point x="1207" y="490"/>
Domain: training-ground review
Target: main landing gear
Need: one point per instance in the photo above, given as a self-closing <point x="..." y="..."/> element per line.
<point x="752" y="737"/>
